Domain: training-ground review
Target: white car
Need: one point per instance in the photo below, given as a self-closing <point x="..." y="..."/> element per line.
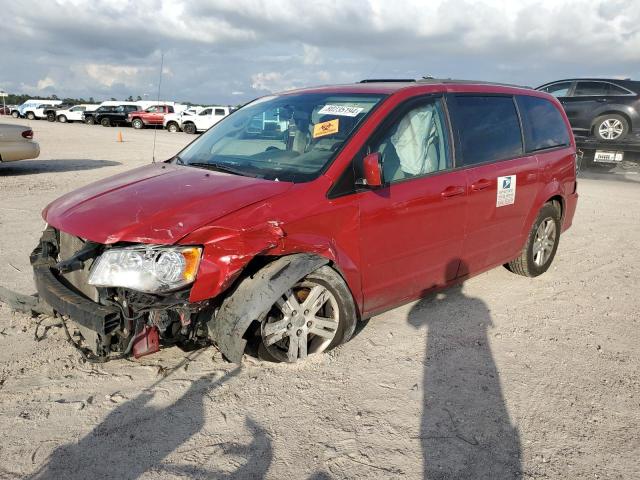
<point x="74" y="114"/>
<point x="205" y="119"/>
<point x="16" y="143"/>
<point x="33" y="109"/>
<point x="173" y="121"/>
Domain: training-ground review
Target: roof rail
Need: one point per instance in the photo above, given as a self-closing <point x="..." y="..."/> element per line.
<point x="377" y="80"/>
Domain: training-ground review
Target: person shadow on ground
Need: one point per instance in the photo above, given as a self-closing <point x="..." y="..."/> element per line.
<point x="466" y="432"/>
<point x="136" y="437"/>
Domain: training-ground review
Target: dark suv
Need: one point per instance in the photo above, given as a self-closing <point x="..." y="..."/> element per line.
<point x="608" y="108"/>
<point x="116" y="116"/>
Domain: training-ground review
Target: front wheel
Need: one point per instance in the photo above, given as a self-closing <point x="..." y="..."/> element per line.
<point x="137" y="124"/>
<point x="105" y="122"/>
<point x="314" y="315"/>
<point x="542" y="244"/>
<point x="189" y="128"/>
<point x="90" y="120"/>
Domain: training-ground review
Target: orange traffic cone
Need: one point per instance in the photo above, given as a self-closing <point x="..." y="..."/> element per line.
<point x="119" y="136"/>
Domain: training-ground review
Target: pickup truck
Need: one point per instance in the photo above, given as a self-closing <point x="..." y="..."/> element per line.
<point x="72" y="114"/>
<point x="118" y="115"/>
<point x="205" y="119"/>
<point x="173" y="121"/>
<point x="153" y="115"/>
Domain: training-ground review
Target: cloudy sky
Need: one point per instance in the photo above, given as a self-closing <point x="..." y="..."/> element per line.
<point x="229" y="51"/>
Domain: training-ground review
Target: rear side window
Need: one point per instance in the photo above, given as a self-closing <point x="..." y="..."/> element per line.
<point x="543" y="124"/>
<point x="488" y="128"/>
<point x="584" y="89"/>
<point x="219" y="111"/>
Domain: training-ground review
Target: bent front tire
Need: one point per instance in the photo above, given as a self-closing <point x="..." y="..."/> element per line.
<point x="542" y="244"/>
<point x="315" y="315"/>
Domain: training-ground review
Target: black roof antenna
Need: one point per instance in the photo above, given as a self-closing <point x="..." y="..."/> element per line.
<point x="155" y="130"/>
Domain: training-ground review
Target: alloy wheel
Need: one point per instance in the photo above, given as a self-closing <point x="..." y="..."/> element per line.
<point x="544" y="242"/>
<point x="303" y="321"/>
<point x="611" y="129"/>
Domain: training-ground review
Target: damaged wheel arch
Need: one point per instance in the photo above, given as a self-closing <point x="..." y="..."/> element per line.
<point x="255" y="294"/>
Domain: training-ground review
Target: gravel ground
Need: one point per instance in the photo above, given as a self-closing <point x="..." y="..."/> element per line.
<point x="503" y="377"/>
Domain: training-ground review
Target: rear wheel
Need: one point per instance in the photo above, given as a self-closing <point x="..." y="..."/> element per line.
<point x="542" y="244"/>
<point x="314" y="315"/>
<point x="173" y="127"/>
<point x="31" y="116"/>
<point x="15" y="114"/>
<point x="62" y="119"/>
<point x="90" y="120"/>
<point x="105" y="122"/>
<point x="610" y="127"/>
<point x="51" y="116"/>
<point x="189" y="128"/>
<point x="137" y="123"/>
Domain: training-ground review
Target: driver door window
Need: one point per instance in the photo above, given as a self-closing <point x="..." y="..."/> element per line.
<point x="415" y="145"/>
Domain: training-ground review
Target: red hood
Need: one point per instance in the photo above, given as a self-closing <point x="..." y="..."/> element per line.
<point x="158" y="203"/>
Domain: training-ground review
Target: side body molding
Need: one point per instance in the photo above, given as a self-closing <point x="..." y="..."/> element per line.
<point x="253" y="296"/>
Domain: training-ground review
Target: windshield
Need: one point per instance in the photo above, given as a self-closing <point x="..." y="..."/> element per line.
<point x="286" y="138"/>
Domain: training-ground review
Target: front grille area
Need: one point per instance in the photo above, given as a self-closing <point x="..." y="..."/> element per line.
<point x="69" y="245"/>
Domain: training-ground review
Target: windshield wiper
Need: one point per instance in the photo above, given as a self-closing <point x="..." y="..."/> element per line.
<point x="217" y="167"/>
<point x="178" y="160"/>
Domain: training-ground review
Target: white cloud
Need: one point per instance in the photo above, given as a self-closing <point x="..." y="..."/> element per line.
<point x="45" y="83"/>
<point x="108" y="75"/>
<point x="271" y="82"/>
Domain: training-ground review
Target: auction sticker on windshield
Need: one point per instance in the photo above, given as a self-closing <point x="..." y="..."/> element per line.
<point x="506" y="191"/>
<point x="340" y="110"/>
<point x="326" y="128"/>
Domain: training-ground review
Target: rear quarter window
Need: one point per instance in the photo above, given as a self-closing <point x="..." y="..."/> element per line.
<point x="487" y="127"/>
<point x="543" y="124"/>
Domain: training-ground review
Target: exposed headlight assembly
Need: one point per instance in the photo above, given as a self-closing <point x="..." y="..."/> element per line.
<point x="149" y="269"/>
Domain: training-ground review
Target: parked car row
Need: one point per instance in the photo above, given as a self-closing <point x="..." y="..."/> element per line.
<point x="173" y="116"/>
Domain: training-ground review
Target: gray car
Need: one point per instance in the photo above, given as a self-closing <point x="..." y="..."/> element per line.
<point x="16" y="143"/>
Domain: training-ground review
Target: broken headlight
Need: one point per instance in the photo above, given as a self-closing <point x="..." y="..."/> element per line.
<point x="146" y="268"/>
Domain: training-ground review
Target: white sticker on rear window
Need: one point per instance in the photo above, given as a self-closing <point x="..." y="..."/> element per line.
<point x="506" y="191"/>
<point x="340" y="110"/>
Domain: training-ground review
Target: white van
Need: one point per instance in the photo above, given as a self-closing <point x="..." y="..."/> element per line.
<point x="74" y="114"/>
<point x="34" y="108"/>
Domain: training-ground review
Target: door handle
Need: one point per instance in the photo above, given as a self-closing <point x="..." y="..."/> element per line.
<point x="452" y="191"/>
<point x="481" y="185"/>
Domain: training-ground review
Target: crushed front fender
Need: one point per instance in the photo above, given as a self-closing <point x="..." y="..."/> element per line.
<point x="255" y="295"/>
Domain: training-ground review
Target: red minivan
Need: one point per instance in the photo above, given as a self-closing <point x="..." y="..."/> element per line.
<point x="304" y="212"/>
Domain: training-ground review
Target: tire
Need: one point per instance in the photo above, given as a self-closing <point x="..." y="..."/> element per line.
<point x="90" y="120"/>
<point x="62" y="119"/>
<point x="31" y="116"/>
<point x="172" y="127"/>
<point x="189" y="128"/>
<point x="137" y="124"/>
<point x="540" y="250"/>
<point x="51" y="117"/>
<point x="105" y="122"/>
<point x="337" y="315"/>
<point x="15" y="114"/>
<point x="610" y="127"/>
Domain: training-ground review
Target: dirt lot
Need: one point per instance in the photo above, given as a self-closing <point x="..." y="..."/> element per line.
<point x="504" y="377"/>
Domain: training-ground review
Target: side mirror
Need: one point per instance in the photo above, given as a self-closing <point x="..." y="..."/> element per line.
<point x="372" y="170"/>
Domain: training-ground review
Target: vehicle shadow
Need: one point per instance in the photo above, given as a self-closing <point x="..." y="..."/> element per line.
<point x="136" y="437"/>
<point x="30" y="167"/>
<point x="465" y="430"/>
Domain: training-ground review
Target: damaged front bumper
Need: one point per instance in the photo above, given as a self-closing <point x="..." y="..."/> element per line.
<point x="114" y="320"/>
